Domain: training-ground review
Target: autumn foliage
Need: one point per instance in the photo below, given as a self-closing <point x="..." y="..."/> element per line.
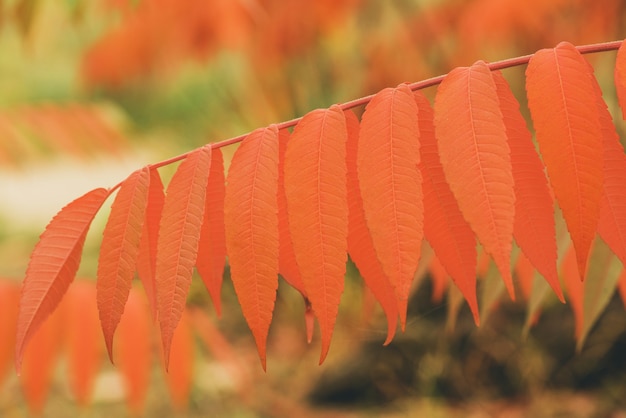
<point x="453" y="181"/>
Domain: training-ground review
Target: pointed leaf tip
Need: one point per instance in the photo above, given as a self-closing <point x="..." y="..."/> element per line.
<point x="53" y="265"/>
<point x="475" y="157"/>
<point x="119" y="250"/>
<point x="251" y="219"/>
<point x="562" y="102"/>
<point x="315" y="188"/>
<point x="179" y="235"/>
<point x="446" y="230"/>
<point x="391" y="186"/>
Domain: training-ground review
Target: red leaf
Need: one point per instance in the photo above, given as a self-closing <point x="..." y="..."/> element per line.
<point x="525" y="272"/>
<point x="315" y="186"/>
<point x="147" y="257"/>
<point x="212" y="247"/>
<point x="360" y="246"/>
<point x="446" y="230"/>
<point x="559" y="87"/>
<point x="134" y="350"/>
<point x="180" y="374"/>
<point x="287" y="265"/>
<point x="534" y="228"/>
<point x="251" y="218"/>
<point x="53" y="265"/>
<point x="476" y="159"/>
<point x="391" y="186"/>
<point x="118" y="252"/>
<point x="179" y="234"/>
<point x="620" y="77"/>
<point x="84" y="349"/>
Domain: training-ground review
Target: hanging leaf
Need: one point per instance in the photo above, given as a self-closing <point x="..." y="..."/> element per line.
<point x="620" y="77"/>
<point x="40" y="357"/>
<point x="534" y="229"/>
<point x="179" y="234"/>
<point x="251" y="218"/>
<point x="118" y="251"/>
<point x="9" y="298"/>
<point x="287" y="265"/>
<point x="599" y="287"/>
<point x="391" y="186"/>
<point x="360" y="246"/>
<point x="212" y="247"/>
<point x="446" y="230"/>
<point x="147" y="256"/>
<point x="180" y="376"/>
<point x="82" y="339"/>
<point x="612" y="221"/>
<point x="315" y="187"/>
<point x="476" y="159"/>
<point x="134" y="350"/>
<point x="574" y="289"/>
<point x="440" y="280"/>
<point x="560" y="90"/>
<point x="53" y="265"/>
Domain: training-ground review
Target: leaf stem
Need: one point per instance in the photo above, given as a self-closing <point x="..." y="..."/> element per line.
<point x="498" y="65"/>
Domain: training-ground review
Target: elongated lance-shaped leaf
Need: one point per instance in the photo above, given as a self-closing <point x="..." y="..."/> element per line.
<point x="315" y="187"/>
<point x="612" y="222"/>
<point x="534" y="228"/>
<point x="180" y="376"/>
<point x="446" y="230"/>
<point x="620" y="77"/>
<point x="476" y="159"/>
<point x="134" y="349"/>
<point x="391" y="186"/>
<point x="287" y="264"/>
<point x="212" y="247"/>
<point x="53" y="265"/>
<point x="360" y="245"/>
<point x="562" y="98"/>
<point x="82" y="340"/>
<point x="251" y="218"/>
<point x="118" y="252"/>
<point x="179" y="234"/>
<point x="146" y="259"/>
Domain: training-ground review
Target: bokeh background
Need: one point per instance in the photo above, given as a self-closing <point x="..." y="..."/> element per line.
<point x="92" y="90"/>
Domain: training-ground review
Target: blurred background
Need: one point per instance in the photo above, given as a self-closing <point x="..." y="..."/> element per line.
<point x="92" y="90"/>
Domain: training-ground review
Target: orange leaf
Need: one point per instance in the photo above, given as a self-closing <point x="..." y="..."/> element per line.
<point x="534" y="228"/>
<point x="446" y="230"/>
<point x="391" y="186"/>
<point x="9" y="298"/>
<point x="620" y="77"/>
<point x="360" y="246"/>
<point x="559" y="87"/>
<point x="251" y="218"/>
<point x="147" y="256"/>
<point x="212" y="247"/>
<point x="612" y="222"/>
<point x="118" y="252"/>
<point x="315" y="186"/>
<point x="39" y="360"/>
<point x="287" y="265"/>
<point x="134" y="350"/>
<point x="179" y="234"/>
<point x="574" y="288"/>
<point x="84" y="350"/>
<point x="439" y="277"/>
<point x="53" y="265"/>
<point x="525" y="272"/>
<point x="181" y="371"/>
<point x="476" y="159"/>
